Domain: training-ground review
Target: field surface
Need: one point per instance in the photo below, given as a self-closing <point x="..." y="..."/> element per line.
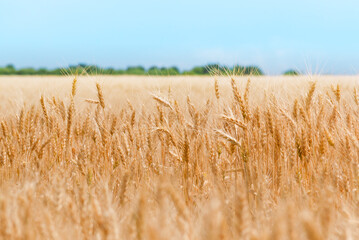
<point x="128" y="157"/>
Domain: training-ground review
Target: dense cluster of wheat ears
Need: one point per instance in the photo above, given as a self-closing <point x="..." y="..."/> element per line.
<point x="232" y="168"/>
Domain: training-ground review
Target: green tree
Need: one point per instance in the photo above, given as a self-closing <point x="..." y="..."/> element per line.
<point x="120" y="72"/>
<point x="109" y="71"/>
<point x="56" y="71"/>
<point x="247" y="70"/>
<point x="154" y="71"/>
<point x="26" y="71"/>
<point x="11" y="67"/>
<point x="173" y="71"/>
<point x="138" y="70"/>
<point x="8" y="70"/>
<point x="291" y="72"/>
<point x="42" y="71"/>
<point x="198" y="70"/>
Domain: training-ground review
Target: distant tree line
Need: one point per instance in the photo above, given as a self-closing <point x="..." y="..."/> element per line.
<point x="291" y="72"/>
<point x="136" y="70"/>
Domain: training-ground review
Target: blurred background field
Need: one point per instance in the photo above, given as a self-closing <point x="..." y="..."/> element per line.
<point x="138" y="89"/>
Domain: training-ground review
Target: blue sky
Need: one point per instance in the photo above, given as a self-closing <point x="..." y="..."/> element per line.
<point x="314" y="36"/>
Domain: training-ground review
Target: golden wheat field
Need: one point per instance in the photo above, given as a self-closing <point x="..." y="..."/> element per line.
<point x="224" y="157"/>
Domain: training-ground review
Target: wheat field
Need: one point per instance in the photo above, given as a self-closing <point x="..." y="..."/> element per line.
<point x="227" y="157"/>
